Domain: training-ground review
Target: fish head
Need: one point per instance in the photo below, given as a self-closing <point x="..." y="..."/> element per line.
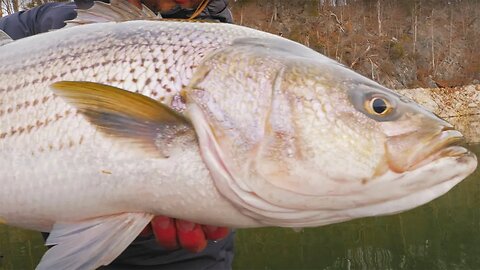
<point x="293" y="138"/>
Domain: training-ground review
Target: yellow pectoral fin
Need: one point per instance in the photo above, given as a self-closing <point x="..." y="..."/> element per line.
<point x="126" y="115"/>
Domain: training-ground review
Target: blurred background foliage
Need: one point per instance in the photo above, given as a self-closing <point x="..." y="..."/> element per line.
<point x="399" y="43"/>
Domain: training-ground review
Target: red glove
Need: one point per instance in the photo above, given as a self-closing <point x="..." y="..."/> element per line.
<point x="174" y="233"/>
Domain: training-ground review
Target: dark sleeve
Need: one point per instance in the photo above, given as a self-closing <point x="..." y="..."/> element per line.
<point x="37" y="20"/>
<point x="148" y="255"/>
<point x="218" y="10"/>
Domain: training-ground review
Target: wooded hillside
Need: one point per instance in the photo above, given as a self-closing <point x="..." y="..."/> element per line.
<point x="399" y="43"/>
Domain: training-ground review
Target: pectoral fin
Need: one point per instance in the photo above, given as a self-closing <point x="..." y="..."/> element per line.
<point x="92" y="243"/>
<point x="134" y="117"/>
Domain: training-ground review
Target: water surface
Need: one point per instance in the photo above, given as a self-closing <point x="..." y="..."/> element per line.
<point x="444" y="234"/>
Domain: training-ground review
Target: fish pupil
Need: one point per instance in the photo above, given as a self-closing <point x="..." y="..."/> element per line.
<point x="379" y="105"/>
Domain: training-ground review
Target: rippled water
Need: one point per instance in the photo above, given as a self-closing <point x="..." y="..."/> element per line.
<point x="444" y="234"/>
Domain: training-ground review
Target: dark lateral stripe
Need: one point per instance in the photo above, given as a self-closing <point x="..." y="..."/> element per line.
<point x="62" y="58"/>
<point x="60" y="146"/>
<point x="25" y="105"/>
<point x="17" y="131"/>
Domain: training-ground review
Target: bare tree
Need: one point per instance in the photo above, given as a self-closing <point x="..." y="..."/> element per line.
<point x="334" y="3"/>
<point x="379" y="18"/>
<point x="432" y="24"/>
<point x="6" y="7"/>
<point x="15" y="5"/>
<point x="11" y="6"/>
<point x="415" y="26"/>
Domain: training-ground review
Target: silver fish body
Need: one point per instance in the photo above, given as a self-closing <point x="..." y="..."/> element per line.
<point x="272" y="134"/>
<point x="41" y="136"/>
<point x="46" y="140"/>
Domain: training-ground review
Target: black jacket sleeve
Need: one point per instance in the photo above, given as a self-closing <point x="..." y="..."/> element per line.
<point x="218" y="9"/>
<point x="53" y="15"/>
<point x="37" y="20"/>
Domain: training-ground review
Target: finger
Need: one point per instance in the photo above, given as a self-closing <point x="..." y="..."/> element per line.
<point x="136" y="3"/>
<point x="191" y="236"/>
<point x="214" y="232"/>
<point x="147" y="231"/>
<point x="165" y="232"/>
<point x="163" y="5"/>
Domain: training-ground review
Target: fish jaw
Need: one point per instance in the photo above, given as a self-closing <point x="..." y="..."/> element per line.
<point x="432" y="180"/>
<point x="441" y="145"/>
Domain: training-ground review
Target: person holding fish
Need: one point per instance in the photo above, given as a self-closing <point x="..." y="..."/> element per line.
<point x="53" y="15"/>
<point x="166" y="242"/>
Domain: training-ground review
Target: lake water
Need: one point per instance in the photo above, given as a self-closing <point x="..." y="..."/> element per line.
<point x="444" y="234"/>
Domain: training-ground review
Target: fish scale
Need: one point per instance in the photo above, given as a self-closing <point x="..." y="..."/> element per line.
<point x="137" y="56"/>
<point x="157" y="69"/>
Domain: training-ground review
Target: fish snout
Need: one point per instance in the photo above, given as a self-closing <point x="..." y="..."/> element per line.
<point x="449" y="143"/>
<point x="408" y="152"/>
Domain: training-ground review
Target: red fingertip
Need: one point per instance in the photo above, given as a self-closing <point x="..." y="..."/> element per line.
<point x="215" y="233"/>
<point x="191" y="236"/>
<point x="165" y="232"/>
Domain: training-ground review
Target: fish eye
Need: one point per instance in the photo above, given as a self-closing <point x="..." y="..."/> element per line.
<point x="378" y="106"/>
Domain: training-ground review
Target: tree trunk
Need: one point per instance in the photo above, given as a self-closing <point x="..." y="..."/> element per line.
<point x="379" y="18"/>
<point x="433" y="42"/>
<point x="15" y="5"/>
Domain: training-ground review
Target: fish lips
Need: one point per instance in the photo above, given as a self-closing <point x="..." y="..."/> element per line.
<point x="446" y="143"/>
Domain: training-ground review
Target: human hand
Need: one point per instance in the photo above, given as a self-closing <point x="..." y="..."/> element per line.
<point x="173" y="233"/>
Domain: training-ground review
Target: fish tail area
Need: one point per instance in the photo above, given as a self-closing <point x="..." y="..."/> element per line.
<point x="90" y="244"/>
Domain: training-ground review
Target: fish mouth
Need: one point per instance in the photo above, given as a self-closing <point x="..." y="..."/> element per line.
<point x="447" y="143"/>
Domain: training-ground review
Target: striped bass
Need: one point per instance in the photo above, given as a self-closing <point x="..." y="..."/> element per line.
<point x="104" y="125"/>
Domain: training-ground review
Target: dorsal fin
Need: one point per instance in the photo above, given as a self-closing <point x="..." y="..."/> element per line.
<point x="116" y="11"/>
<point x="4" y="38"/>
